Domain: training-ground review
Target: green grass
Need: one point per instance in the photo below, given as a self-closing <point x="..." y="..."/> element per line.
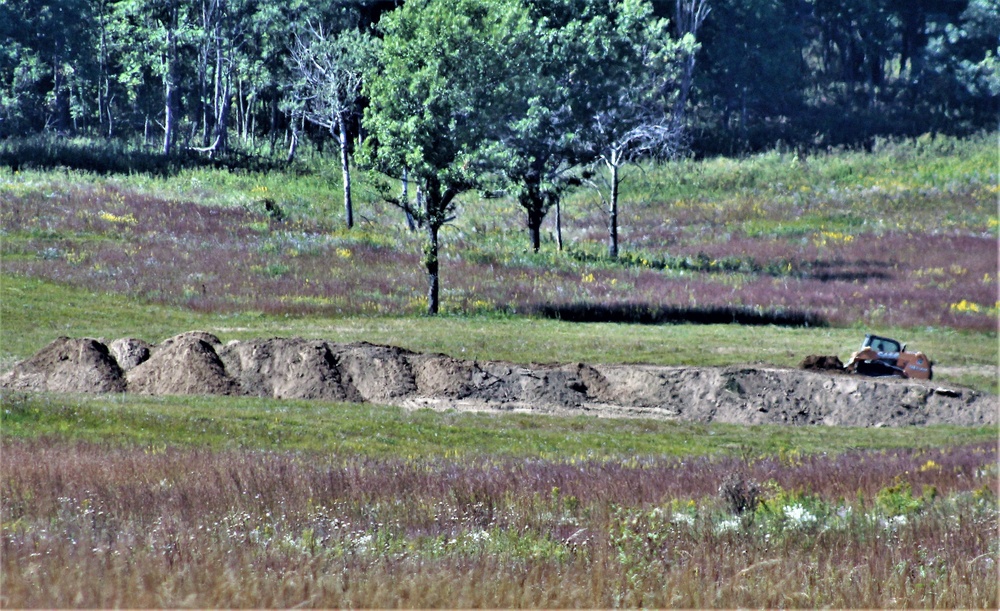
<point x="35" y="312"/>
<point x="378" y="431"/>
<point x="764" y="195"/>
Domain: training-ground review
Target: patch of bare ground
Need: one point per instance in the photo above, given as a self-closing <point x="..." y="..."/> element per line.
<point x="198" y="363"/>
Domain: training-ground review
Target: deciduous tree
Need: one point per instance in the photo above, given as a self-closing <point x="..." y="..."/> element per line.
<point x="328" y="68"/>
<point x="638" y="90"/>
<point x="441" y="84"/>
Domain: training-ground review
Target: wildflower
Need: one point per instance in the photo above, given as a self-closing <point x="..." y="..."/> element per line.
<point x="965" y="306"/>
<point x="727" y="525"/>
<point x="930" y="465"/>
<point x="126" y="219"/>
<point x="894" y="522"/>
<point x="682" y="518"/>
<point x="799" y="515"/>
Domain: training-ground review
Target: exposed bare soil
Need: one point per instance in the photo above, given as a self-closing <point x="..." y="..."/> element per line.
<point x="198" y="363"/>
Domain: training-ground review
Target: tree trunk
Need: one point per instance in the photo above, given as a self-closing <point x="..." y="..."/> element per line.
<point x="559" y="240"/>
<point x="536" y="214"/>
<point x="613" y="213"/>
<point x="535" y="229"/>
<point x="168" y="124"/>
<point x="222" y="127"/>
<point x="102" y="80"/>
<point x="293" y="144"/>
<point x="431" y="263"/>
<point x="688" y="17"/>
<point x="223" y="105"/>
<point x="435" y="213"/>
<point x="532" y="199"/>
<point x="345" y="166"/>
<point x="202" y="107"/>
<point x="170" y="93"/>
<point x="111" y="119"/>
<point x="222" y="102"/>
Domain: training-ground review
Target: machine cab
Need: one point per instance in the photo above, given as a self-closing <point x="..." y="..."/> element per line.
<point x="888" y="350"/>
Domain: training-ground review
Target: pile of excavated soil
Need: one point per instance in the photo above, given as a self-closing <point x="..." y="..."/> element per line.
<point x="198" y="363"/>
<point x="68" y="365"/>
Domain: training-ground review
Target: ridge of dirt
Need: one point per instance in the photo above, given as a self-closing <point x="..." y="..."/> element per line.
<point x="198" y="363"/>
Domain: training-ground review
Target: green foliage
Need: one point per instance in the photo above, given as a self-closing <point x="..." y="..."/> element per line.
<point x="442" y="81"/>
<point x="35" y="312"/>
<point x="898" y="500"/>
<point x="808" y="74"/>
<point x="796" y="511"/>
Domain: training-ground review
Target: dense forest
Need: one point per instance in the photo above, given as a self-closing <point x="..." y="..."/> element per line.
<point x="233" y="74"/>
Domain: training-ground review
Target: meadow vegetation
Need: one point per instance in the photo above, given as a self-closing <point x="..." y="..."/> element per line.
<point x="904" y="237"/>
<point x="135" y="501"/>
<point x="900" y="240"/>
<point x="102" y="525"/>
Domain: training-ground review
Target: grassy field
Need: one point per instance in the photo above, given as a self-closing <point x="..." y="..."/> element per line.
<point x="903" y="237"/>
<point x="34" y="312"/>
<point x="131" y="501"/>
<point x="226" y="423"/>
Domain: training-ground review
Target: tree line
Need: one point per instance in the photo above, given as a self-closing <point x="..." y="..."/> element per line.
<point x="803" y="72"/>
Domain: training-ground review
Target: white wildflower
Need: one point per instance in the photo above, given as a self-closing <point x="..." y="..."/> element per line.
<point x="799" y="515"/>
<point x="727" y="525"/>
<point x="683" y="518"/>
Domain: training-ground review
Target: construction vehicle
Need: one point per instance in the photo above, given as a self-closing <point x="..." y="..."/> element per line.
<point x="881" y="356"/>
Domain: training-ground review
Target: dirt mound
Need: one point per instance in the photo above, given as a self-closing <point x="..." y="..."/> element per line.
<point x="286" y="369"/>
<point x="197" y="363"/>
<point x="822" y="363"/>
<point x="130" y="352"/>
<point x="753" y="395"/>
<point x="68" y="365"/>
<point x="186" y="364"/>
<point x="377" y="373"/>
<point x="546" y="385"/>
<point x="438" y="375"/>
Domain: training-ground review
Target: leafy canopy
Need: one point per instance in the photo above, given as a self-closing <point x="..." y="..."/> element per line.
<point x="445" y="78"/>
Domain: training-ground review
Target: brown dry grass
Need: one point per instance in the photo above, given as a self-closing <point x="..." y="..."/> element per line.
<point x="95" y="526"/>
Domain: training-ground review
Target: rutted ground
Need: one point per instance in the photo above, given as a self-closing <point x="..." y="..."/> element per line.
<point x="199" y="363"/>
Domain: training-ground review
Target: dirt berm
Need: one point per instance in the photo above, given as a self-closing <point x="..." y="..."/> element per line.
<point x="198" y="363"/>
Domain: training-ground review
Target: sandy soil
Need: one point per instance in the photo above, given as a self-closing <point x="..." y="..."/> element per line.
<point x="198" y="363"/>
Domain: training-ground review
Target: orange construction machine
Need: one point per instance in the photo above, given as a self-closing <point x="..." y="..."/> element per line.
<point x="881" y="356"/>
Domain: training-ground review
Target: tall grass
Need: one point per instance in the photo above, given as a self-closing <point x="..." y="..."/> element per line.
<point x="97" y="525"/>
<point x="234" y="502"/>
<point x="377" y="432"/>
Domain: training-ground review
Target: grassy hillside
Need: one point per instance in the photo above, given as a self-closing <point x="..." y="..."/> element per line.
<point x="899" y="241"/>
<point x="133" y="501"/>
<point x="901" y="237"/>
<point x="34" y="312"/>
